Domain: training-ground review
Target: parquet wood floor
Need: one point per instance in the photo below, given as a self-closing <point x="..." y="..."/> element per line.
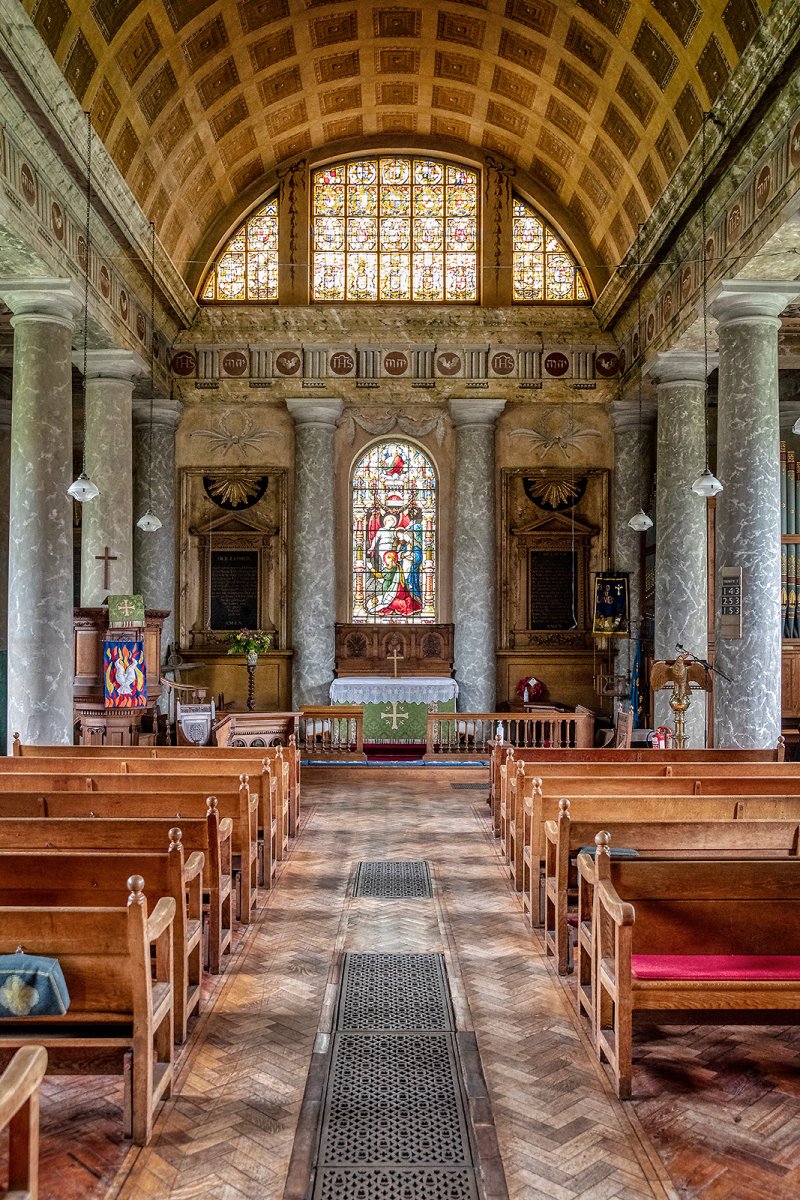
<point x="228" y="1132"/>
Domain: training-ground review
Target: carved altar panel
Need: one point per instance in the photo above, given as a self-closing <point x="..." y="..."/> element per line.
<point x="233" y="561"/>
<point x="370" y="649"/>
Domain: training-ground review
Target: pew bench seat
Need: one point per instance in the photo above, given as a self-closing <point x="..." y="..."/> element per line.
<point x="118" y="967"/>
<point x="716" y="968"/>
<point x="691" y="940"/>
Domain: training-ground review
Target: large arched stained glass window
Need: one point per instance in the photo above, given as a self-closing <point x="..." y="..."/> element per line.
<point x="544" y="269"/>
<point x="394" y="229"/>
<point x="394" y="535"/>
<point x="247" y="269"/>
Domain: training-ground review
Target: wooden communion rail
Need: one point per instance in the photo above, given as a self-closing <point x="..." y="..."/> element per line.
<point x="473" y="735"/>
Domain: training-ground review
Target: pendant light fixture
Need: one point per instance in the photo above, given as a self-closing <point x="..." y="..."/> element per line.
<point x="149" y="522"/>
<point x="639" y="522"/>
<point x="82" y="489"/>
<point x="706" y="484"/>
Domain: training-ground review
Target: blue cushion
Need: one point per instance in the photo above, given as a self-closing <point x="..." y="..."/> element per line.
<point x="31" y="986"/>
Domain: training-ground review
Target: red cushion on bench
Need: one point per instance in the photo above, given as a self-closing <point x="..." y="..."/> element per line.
<point x="724" y="967"/>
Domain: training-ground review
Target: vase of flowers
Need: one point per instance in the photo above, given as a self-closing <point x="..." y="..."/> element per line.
<point x="250" y="643"/>
<point x="530" y="689"/>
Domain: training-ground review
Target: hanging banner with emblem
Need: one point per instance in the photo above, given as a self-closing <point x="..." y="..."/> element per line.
<point x="124" y="679"/>
<point x="125" y="610"/>
<point x="610" y="613"/>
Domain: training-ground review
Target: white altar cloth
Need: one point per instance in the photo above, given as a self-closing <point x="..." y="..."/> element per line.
<point x="381" y="689"/>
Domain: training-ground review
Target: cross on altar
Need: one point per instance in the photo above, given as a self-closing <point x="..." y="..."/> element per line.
<point x="125" y="607"/>
<point x="106" y="558"/>
<point x="394" y="716"/>
<point x="395" y="656"/>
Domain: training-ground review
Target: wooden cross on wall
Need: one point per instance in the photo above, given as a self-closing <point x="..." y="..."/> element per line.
<point x="106" y="558"/>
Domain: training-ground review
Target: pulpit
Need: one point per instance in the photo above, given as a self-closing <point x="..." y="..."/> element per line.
<point x="398" y="673"/>
<point x="95" y="724"/>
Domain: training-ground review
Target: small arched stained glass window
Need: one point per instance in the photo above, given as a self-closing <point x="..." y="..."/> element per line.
<point x="394" y="535"/>
<point x="247" y="268"/>
<point x="544" y="269"/>
<point x="394" y="229"/>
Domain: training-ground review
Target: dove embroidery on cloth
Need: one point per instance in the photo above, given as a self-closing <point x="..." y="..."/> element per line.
<point x="17" y="997"/>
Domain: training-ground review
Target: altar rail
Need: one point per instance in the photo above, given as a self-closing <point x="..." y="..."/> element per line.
<point x="473" y="735"/>
<point x="332" y="731"/>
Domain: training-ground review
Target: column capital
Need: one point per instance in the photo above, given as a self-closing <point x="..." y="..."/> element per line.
<point x="475" y="412"/>
<point x="111" y="364"/>
<point x="625" y="415"/>
<point x="54" y="300"/>
<point x="680" y="366"/>
<point x="314" y="411"/>
<point x="166" y="411"/>
<point x="743" y="299"/>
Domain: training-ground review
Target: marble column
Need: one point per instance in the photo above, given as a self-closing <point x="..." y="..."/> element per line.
<point x="40" y="655"/>
<point x="314" y="559"/>
<point x="155" y="487"/>
<point x="747" y="706"/>
<point x="107" y="521"/>
<point x="633" y="486"/>
<point x="474" y="565"/>
<point x="681" y="609"/>
<point x="5" y="499"/>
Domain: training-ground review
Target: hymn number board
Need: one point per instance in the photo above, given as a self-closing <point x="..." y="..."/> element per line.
<point x="731" y="602"/>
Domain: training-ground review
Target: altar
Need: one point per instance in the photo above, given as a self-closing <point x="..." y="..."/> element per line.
<point x="396" y="709"/>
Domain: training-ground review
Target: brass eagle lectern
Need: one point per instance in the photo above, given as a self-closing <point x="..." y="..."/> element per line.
<point x="683" y="674"/>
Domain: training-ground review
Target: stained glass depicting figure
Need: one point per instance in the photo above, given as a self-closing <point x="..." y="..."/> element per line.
<point x="543" y="267"/>
<point x="393" y="228"/>
<point x="247" y="268"/>
<point x="394" y="535"/>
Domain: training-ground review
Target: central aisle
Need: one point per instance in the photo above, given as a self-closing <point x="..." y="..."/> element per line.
<point x="229" y="1132"/>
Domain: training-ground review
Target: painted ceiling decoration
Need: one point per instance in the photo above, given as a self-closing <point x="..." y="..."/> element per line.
<point x="201" y="104"/>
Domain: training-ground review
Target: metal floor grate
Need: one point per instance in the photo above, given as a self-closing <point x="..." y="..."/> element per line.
<point x="393" y="880"/>
<point x="470" y="787"/>
<point x="394" y="1119"/>
<point x="394" y="1183"/>
<point x="394" y="991"/>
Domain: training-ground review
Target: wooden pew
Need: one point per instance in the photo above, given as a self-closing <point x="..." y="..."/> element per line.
<point x="19" y="1114"/>
<point x="537" y="809"/>
<point x="243" y="756"/>
<point x="680" y="940"/>
<point x="134" y="797"/>
<point x="564" y="838"/>
<point x="85" y="774"/>
<point x="94" y="879"/>
<point x="121" y="1003"/>
<point x="606" y="758"/>
<point x="210" y="836"/>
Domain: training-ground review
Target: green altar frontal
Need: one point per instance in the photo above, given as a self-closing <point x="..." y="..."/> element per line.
<point x="396" y="710"/>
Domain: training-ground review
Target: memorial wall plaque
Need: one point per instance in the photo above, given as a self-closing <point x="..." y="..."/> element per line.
<point x="234" y="589"/>
<point x="552" y="589"/>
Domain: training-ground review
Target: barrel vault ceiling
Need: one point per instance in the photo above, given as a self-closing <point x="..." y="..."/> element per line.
<point x="201" y="104"/>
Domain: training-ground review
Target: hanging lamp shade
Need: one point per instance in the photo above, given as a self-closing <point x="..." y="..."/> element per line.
<point x="82" y="489"/>
<point x="706" y="484"/>
<point x="640" y="521"/>
<point x="149" y="522"/>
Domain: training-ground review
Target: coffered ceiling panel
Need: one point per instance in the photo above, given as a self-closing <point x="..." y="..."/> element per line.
<point x="594" y="102"/>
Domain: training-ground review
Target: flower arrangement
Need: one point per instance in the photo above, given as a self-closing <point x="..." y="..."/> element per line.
<point x="532" y="686"/>
<point x="250" y="641"/>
